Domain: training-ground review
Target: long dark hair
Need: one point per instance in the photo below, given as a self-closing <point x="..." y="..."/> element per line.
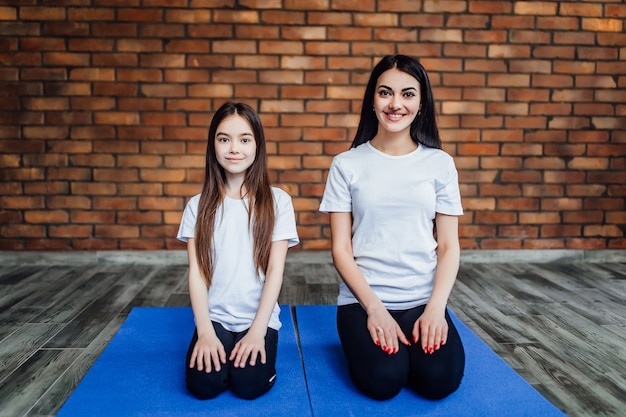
<point x="259" y="194"/>
<point x="424" y="127"/>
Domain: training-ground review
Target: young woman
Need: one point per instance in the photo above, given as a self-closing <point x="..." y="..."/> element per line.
<point x="237" y="231"/>
<point x="393" y="200"/>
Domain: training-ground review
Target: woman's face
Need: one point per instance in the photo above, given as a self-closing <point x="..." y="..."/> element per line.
<point x="235" y="146"/>
<point x="396" y="100"/>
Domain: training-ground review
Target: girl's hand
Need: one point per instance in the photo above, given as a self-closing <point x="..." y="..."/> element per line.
<point x="208" y="354"/>
<point x="384" y="330"/>
<point x="431" y="329"/>
<point x="250" y="346"/>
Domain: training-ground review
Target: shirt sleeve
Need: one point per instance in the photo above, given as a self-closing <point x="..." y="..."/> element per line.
<point x="285" y="225"/>
<point x="448" y="193"/>
<point x="336" y="197"/>
<point x="187" y="228"/>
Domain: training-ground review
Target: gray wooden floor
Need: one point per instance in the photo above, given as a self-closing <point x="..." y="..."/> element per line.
<point x="561" y="325"/>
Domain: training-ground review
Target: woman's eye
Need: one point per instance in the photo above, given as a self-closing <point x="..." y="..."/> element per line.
<point x="409" y="94"/>
<point x="384" y="93"/>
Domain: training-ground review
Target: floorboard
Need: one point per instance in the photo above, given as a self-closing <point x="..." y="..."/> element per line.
<point x="561" y="325"/>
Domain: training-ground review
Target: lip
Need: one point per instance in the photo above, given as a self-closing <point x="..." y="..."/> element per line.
<point x="394" y="117"/>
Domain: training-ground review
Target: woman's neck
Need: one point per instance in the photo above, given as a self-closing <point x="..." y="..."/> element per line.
<point x="395" y="144"/>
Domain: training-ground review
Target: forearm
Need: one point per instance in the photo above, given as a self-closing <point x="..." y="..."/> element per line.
<point x="198" y="296"/>
<point x="343" y="259"/>
<point x="271" y="287"/>
<point x="198" y="293"/>
<point x="268" y="300"/>
<point x="344" y="262"/>
<point x="448" y="259"/>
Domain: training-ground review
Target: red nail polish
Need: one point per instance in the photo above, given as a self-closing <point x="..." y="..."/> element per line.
<point x="430" y="350"/>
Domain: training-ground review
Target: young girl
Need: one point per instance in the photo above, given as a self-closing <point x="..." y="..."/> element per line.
<point x="386" y="197"/>
<point x="237" y="231"/>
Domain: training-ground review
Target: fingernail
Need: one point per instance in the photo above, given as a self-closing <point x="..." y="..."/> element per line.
<point x="430" y="350"/>
<point x="436" y="347"/>
<point x="377" y="342"/>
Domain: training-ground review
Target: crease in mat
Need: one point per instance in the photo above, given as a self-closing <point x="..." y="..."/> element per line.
<point x="490" y="387"/>
<point x="141" y="373"/>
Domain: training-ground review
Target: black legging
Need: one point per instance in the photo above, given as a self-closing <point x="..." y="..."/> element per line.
<point x="381" y="376"/>
<point x="248" y="382"/>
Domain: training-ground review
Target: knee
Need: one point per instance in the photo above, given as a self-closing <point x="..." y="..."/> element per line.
<point x="439" y="392"/>
<point x="204" y="392"/>
<point x="248" y="388"/>
<point x="381" y="382"/>
<point x="205" y="386"/>
<point x="437" y="388"/>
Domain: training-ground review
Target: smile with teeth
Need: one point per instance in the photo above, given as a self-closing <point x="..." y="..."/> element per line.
<point x="395" y="116"/>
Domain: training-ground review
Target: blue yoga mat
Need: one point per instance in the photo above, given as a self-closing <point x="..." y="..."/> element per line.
<point x="490" y="387"/>
<point x="141" y="373"/>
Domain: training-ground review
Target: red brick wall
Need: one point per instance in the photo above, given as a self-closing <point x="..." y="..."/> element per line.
<point x="105" y="104"/>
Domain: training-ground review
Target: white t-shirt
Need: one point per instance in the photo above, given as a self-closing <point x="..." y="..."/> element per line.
<point x="393" y="201"/>
<point x="236" y="287"/>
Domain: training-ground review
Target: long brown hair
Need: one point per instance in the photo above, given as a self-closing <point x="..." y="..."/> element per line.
<point x="259" y="194"/>
<point x="424" y="127"/>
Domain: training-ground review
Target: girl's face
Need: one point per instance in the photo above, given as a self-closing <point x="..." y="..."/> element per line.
<point x="235" y="146"/>
<point x="396" y="100"/>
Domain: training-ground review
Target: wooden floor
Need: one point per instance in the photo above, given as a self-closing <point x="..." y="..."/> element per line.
<point x="561" y="325"/>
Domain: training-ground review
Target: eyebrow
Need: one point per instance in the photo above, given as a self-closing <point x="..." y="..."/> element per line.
<point x="226" y="134"/>
<point x="404" y="89"/>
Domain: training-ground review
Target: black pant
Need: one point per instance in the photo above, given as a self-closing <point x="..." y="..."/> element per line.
<point x="382" y="376"/>
<point x="248" y="382"/>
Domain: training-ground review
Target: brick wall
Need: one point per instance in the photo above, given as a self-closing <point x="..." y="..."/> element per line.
<point x="105" y="106"/>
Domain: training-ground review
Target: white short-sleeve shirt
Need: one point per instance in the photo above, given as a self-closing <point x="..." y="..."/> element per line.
<point x="236" y="287"/>
<point x="393" y="201"/>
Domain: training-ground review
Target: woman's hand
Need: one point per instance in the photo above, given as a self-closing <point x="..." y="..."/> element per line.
<point x="384" y="330"/>
<point x="208" y="354"/>
<point x="431" y="329"/>
<point x="250" y="346"/>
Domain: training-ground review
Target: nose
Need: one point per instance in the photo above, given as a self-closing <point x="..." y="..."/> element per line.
<point x="395" y="102"/>
<point x="233" y="147"/>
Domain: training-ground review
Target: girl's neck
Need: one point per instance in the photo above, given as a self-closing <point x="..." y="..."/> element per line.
<point x="234" y="187"/>
<point x="395" y="144"/>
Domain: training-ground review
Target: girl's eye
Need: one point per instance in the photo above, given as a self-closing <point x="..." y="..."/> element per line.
<point x="222" y="139"/>
<point x="245" y="140"/>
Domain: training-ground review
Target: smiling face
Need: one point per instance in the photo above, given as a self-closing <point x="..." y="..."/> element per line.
<point x="396" y="100"/>
<point x="235" y="145"/>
